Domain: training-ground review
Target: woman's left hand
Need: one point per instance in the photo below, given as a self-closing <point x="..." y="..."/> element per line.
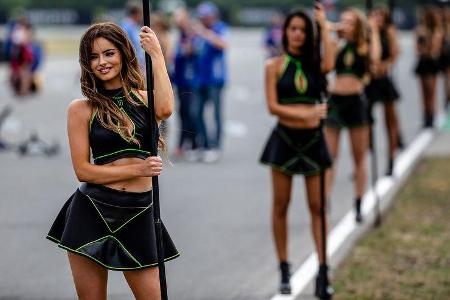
<point x="149" y="41"/>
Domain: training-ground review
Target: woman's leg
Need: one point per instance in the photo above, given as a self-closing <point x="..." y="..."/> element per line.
<point x="323" y="289"/>
<point x="447" y="87"/>
<point x="360" y="144"/>
<point x="144" y="283"/>
<point x="391" y="122"/>
<point x="432" y="82"/>
<point x="313" y="193"/>
<point x="428" y="84"/>
<point x="281" y="189"/>
<point x="89" y="277"/>
<point x="332" y="138"/>
<point x="425" y="96"/>
<point x="183" y="102"/>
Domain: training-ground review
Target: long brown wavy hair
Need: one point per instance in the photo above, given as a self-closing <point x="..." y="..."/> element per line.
<point x="131" y="76"/>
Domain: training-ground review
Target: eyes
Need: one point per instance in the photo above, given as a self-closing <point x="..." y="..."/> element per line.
<point x="296" y="28"/>
<point x="109" y="53"/>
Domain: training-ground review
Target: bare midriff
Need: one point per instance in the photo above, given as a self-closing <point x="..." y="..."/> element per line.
<point x="137" y="184"/>
<point x="347" y="84"/>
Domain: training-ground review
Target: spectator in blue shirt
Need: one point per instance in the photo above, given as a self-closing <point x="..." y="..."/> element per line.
<point x="132" y="24"/>
<point x="211" y="76"/>
<point x="183" y="77"/>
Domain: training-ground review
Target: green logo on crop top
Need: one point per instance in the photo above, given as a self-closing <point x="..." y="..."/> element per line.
<point x="349" y="58"/>
<point x="301" y="82"/>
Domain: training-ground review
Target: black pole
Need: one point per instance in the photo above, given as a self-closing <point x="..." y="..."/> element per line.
<point x="391" y="5"/>
<point x="154" y="151"/>
<point x="324" y="291"/>
<point x="373" y="150"/>
<point x="369" y="5"/>
<point x="323" y="200"/>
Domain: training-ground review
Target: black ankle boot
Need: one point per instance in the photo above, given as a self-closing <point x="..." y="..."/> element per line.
<point x="428" y="120"/>
<point x="358" y="214"/>
<point x="400" y="142"/>
<point x="390" y="168"/>
<point x="285" y="285"/>
<point x="323" y="291"/>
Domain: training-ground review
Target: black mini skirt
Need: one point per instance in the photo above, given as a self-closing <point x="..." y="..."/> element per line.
<point x="427" y="66"/>
<point x="296" y="151"/>
<point x="347" y="111"/>
<point x="116" y="229"/>
<point x="381" y="90"/>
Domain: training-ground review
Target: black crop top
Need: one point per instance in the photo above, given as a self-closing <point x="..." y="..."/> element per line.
<point x="107" y="145"/>
<point x="348" y="61"/>
<point x="299" y="81"/>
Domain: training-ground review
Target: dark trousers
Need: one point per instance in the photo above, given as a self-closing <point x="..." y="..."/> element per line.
<point x="207" y="138"/>
<point x="187" y="102"/>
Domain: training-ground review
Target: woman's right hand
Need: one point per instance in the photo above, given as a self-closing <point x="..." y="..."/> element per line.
<point x="317" y="114"/>
<point x="320" y="111"/>
<point x="151" y="166"/>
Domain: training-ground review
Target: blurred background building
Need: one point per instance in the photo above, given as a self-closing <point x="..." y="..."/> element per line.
<point x="235" y="12"/>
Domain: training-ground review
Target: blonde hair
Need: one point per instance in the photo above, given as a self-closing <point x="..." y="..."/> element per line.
<point x="361" y="33"/>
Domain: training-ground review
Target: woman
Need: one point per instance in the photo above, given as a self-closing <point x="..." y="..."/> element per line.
<point x="108" y="222"/>
<point x="294" y="83"/>
<point x="428" y="44"/>
<point x="381" y="87"/>
<point x="347" y="105"/>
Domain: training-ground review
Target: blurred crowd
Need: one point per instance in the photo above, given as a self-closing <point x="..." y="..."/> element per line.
<point x="24" y="56"/>
<point x="197" y="65"/>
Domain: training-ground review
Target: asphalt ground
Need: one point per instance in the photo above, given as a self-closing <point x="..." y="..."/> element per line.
<point x="218" y="214"/>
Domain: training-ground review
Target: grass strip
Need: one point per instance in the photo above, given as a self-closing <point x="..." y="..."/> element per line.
<point x="409" y="256"/>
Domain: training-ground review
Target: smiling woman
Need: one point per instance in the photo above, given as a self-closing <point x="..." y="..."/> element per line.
<point x="108" y="222"/>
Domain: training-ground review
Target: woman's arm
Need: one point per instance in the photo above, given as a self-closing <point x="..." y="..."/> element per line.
<point x="295" y="112"/>
<point x="78" y="118"/>
<point x="393" y="44"/>
<point x="328" y="57"/>
<point x="375" y="42"/>
<point x="216" y="39"/>
<point x="421" y="42"/>
<point x="436" y="43"/>
<point x="163" y="92"/>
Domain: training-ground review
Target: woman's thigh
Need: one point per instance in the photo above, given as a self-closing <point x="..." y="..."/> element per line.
<point x="89" y="277"/>
<point x="144" y="283"/>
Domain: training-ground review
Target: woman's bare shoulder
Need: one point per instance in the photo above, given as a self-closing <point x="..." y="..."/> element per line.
<point x="275" y="64"/>
<point x="80" y="108"/>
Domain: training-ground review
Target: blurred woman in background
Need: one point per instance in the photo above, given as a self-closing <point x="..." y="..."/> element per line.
<point x="429" y="37"/>
<point x="348" y="108"/>
<point x="381" y="87"/>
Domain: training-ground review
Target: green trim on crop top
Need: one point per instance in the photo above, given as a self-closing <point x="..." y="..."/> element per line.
<point x="299" y="81"/>
<point x="349" y="61"/>
<point x="107" y="145"/>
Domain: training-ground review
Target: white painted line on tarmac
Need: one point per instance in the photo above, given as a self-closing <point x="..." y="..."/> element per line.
<point x="337" y="237"/>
